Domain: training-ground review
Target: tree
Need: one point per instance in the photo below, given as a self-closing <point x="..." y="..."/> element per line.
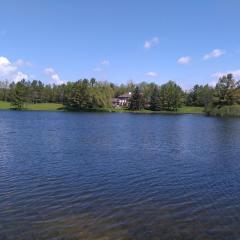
<point x="83" y="95"/>
<point x="200" y="96"/>
<point x="136" y="101"/>
<point x="4" y="90"/>
<point x="206" y="96"/>
<point x="80" y="96"/>
<point x="18" y="94"/>
<point x="92" y="81"/>
<point x="171" y="96"/>
<point x="193" y="97"/>
<point x="36" y="91"/>
<point x="155" y="104"/>
<point x="224" y="91"/>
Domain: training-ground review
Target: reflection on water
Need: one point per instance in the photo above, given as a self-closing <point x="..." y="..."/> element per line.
<point x="118" y="176"/>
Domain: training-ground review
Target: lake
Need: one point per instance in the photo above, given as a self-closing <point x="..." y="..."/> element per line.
<point x="118" y="176"/>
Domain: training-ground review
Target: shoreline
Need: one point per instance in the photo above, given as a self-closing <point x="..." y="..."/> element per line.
<point x="225" y="111"/>
<point x="56" y="107"/>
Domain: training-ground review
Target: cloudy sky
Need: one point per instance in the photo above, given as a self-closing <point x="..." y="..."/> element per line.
<point x="56" y="41"/>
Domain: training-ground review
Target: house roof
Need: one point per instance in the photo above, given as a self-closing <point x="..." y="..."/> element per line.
<point x="126" y="95"/>
<point x="114" y="99"/>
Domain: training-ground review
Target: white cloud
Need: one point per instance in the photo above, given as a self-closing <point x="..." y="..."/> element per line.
<point x="10" y="71"/>
<point x="20" y="76"/>
<point x="151" y="43"/>
<point x="23" y="63"/>
<point x="53" y="75"/>
<point x="4" y="61"/>
<point x="217" y="74"/>
<point x="102" y="66"/>
<point x="214" y="54"/>
<point x="147" y="45"/>
<point x="213" y="83"/>
<point x="235" y="73"/>
<point x="49" y="71"/>
<point x="105" y="63"/>
<point x="152" y="74"/>
<point x="97" y="69"/>
<point x="184" y="60"/>
<point x="56" y="78"/>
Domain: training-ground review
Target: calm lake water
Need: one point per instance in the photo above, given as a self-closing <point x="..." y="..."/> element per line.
<point x="118" y="176"/>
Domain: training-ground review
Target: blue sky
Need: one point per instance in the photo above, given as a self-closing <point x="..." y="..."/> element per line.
<point x="187" y="41"/>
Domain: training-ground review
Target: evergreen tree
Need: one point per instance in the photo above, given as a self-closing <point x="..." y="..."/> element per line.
<point x="200" y="96"/>
<point x="136" y="101"/>
<point x="92" y="81"/>
<point x="154" y="103"/>
<point x="18" y="95"/>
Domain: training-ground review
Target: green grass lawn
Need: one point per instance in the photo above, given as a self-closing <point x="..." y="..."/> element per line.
<point x="191" y="110"/>
<point x="36" y="107"/>
<point x="57" y="107"/>
<point x="5" y="105"/>
<point x="182" y="110"/>
<point x="45" y="107"/>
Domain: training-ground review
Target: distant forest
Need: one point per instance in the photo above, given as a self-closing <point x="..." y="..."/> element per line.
<point x="92" y="94"/>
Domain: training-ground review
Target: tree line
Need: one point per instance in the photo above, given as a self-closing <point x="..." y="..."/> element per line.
<point x="225" y="93"/>
<point x="92" y="94"/>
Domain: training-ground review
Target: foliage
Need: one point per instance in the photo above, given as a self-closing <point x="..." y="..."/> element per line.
<point x="136" y="101"/>
<point x="19" y="95"/>
<point x="96" y="95"/>
<point x="171" y="96"/>
<point x="36" y="107"/>
<point x="86" y="94"/>
<point x="154" y="103"/>
<point x="225" y="98"/>
<point x="5" y="105"/>
<point x="225" y="111"/>
<point x="200" y="96"/>
<point x="190" y="110"/>
<point x="227" y="91"/>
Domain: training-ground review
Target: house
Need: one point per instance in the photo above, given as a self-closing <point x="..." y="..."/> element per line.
<point x="122" y="100"/>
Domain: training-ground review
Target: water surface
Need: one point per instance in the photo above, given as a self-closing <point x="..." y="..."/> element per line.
<point x="118" y="176"/>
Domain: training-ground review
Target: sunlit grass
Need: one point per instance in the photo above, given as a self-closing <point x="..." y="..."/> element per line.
<point x="36" y="107"/>
<point x="190" y="110"/>
<point x="5" y="105"/>
<point x="44" y="106"/>
<point x="182" y="110"/>
<point x="57" y="107"/>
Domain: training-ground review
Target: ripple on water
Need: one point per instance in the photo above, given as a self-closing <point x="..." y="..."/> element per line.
<point x="118" y="176"/>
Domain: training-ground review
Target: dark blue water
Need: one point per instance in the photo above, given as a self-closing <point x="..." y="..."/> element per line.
<point x="118" y="176"/>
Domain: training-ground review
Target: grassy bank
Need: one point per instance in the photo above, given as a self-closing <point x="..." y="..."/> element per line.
<point x="35" y="107"/>
<point x="5" y="105"/>
<point x="225" y="111"/>
<point x="60" y="107"/>
<point x="191" y="110"/>
<point x="182" y="110"/>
